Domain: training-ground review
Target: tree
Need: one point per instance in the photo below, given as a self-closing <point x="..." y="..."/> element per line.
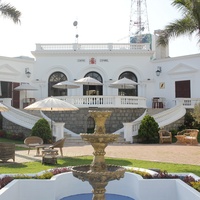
<point x="42" y="129"/>
<point x="196" y="112"/>
<point x="187" y="25"/>
<point x="9" y="11"/>
<point x="148" y="130"/>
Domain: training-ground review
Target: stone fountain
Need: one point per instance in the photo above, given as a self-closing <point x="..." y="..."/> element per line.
<point x="98" y="173"/>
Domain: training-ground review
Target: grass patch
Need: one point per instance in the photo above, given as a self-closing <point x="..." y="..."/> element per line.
<point x="34" y="167"/>
<point x="12" y="141"/>
<point x="17" y="142"/>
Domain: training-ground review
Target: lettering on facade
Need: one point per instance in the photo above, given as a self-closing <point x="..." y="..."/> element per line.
<point x="103" y="60"/>
<point x="80" y="60"/>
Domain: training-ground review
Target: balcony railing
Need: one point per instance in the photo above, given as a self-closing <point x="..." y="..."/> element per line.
<point x="93" y="46"/>
<point x="105" y="101"/>
<point x="187" y="102"/>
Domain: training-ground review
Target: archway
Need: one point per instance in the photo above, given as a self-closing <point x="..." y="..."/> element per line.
<point x="90" y="125"/>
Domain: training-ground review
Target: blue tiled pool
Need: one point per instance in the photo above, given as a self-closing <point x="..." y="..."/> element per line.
<point x="88" y="196"/>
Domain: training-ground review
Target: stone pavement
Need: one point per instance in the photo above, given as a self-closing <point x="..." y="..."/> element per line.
<point x="171" y="153"/>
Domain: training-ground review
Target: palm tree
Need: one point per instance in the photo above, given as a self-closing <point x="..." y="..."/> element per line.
<point x="10" y="11"/>
<point x="187" y="25"/>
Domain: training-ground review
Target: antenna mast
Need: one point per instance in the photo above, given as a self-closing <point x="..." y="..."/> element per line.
<point x="75" y="24"/>
<point x="139" y="23"/>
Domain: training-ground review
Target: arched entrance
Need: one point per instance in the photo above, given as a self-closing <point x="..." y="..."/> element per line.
<point x="54" y="78"/>
<point x="129" y="92"/>
<point x="93" y="89"/>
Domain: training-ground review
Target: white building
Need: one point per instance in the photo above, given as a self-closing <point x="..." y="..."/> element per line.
<point x="162" y="81"/>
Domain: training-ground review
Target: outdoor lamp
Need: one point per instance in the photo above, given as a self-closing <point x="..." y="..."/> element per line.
<point x="27" y="72"/>
<point x="158" y="71"/>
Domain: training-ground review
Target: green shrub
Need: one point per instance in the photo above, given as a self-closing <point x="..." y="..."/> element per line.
<point x="42" y="129"/>
<point x="148" y="130"/>
<point x="196" y="112"/>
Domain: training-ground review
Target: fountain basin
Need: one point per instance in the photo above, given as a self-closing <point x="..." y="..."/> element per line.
<point x="132" y="185"/>
<point x="89" y="196"/>
<point x="84" y="173"/>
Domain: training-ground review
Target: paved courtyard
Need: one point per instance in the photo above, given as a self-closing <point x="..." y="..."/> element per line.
<point x="172" y="153"/>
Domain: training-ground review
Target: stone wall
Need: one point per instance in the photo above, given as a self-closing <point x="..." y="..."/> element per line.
<point x="14" y="128"/>
<point x="76" y="121"/>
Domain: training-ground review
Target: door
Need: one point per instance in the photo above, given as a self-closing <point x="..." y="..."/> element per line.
<point x="182" y="89"/>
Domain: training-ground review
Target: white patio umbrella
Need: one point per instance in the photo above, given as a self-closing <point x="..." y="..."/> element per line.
<point x="124" y="83"/>
<point x="25" y="87"/>
<point x="51" y="104"/>
<point x="88" y="81"/>
<point x="3" y="108"/>
<point x="66" y="85"/>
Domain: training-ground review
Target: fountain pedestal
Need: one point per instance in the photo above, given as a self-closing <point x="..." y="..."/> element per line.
<point x="98" y="174"/>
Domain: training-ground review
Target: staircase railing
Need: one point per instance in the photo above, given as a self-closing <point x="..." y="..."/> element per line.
<point x="19" y="117"/>
<point x="169" y="116"/>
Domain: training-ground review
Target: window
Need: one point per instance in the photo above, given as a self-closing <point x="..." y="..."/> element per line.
<point x="128" y="92"/>
<point x="182" y="89"/>
<point x="56" y="77"/>
<point x="93" y="89"/>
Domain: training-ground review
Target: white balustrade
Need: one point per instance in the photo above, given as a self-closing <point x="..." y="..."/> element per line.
<point x="187" y="102"/>
<point x="105" y="101"/>
<point x="94" y="46"/>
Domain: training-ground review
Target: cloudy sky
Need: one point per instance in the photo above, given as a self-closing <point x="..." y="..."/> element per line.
<point x="99" y="21"/>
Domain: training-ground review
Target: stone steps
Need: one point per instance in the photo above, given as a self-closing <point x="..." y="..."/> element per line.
<point x="154" y="111"/>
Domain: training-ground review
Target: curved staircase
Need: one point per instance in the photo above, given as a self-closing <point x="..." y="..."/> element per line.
<point x="164" y="118"/>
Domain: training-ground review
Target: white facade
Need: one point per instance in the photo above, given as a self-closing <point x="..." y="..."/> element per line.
<point x="111" y="60"/>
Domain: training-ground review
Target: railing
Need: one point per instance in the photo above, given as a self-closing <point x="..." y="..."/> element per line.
<point x="187" y="102"/>
<point x="19" y="117"/>
<point x="105" y="101"/>
<point x="93" y="46"/>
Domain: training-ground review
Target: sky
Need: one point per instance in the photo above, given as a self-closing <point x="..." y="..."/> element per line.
<point x="99" y="21"/>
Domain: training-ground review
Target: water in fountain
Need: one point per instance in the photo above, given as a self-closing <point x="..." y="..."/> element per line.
<point x="98" y="173"/>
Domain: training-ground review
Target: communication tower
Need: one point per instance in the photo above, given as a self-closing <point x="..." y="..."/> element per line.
<point x="139" y="24"/>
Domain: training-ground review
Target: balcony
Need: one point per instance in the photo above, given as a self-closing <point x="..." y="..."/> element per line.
<point x="105" y="101"/>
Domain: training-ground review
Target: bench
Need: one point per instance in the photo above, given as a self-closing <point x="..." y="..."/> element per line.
<point x="188" y="136"/>
<point x="33" y="142"/>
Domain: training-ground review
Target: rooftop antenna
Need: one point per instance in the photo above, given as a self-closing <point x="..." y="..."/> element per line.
<point x="139" y="23"/>
<point x="75" y="23"/>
